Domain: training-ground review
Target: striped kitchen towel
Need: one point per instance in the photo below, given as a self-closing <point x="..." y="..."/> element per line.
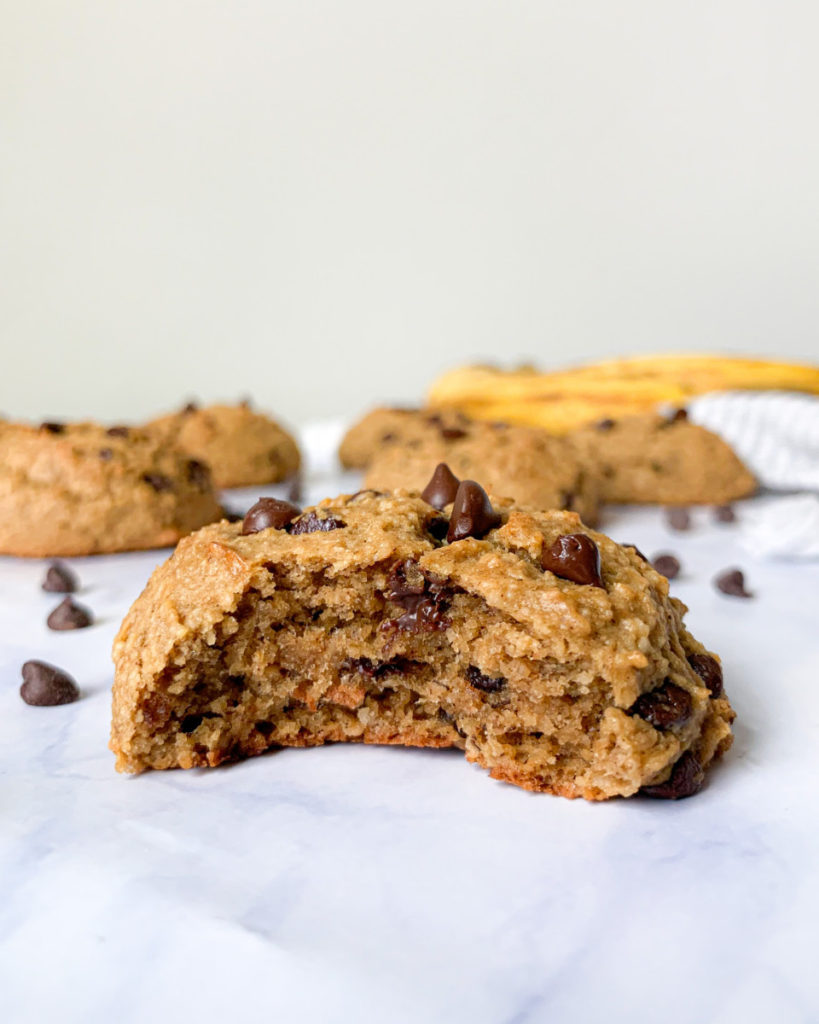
<point x="775" y="433"/>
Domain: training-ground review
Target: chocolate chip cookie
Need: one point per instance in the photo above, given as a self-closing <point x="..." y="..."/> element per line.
<point x="661" y="459"/>
<point x="384" y="425"/>
<point x="552" y="656"/>
<point x="400" y="448"/>
<point x="242" y="447"/>
<point x="82" y="489"/>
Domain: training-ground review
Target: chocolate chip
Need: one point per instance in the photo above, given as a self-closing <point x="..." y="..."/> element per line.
<point x="605" y="424"/>
<point x="423" y="614"/>
<point x="118" y="431"/>
<point x="314" y="523"/>
<point x="405" y="580"/>
<point x="105" y="454"/>
<point x="424" y="600"/>
<point x="686" y="779"/>
<point x="452" y="433"/>
<point x="190" y="723"/>
<point x="437" y="526"/>
<point x="667" y="565"/>
<point x="664" y="707"/>
<point x="732" y="583"/>
<point x="53" y="428"/>
<point x="158" y="482"/>
<point x="362" y="666"/>
<point x="45" y="685"/>
<point x="265" y="728"/>
<point x="709" y="670"/>
<point x="59" y="579"/>
<point x="199" y="474"/>
<point x="487" y="684"/>
<point x="567" y="499"/>
<point x="636" y="551"/>
<point x="232" y="517"/>
<point x="386" y="438"/>
<point x="725" y="514"/>
<point x="68" y="615"/>
<point x="295" y="489"/>
<point x="377" y="669"/>
<point x="574" y="557"/>
<point x="677" y="416"/>
<point x="189" y="408"/>
<point x="449" y="719"/>
<point x="269" y="513"/>
<point x="678" y="517"/>
<point x="472" y="513"/>
<point x="442" y="487"/>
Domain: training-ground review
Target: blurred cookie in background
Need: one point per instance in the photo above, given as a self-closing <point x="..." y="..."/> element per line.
<point x="83" y="489"/>
<point x="667" y="460"/>
<point x="243" y="447"/>
<point x="401" y="448"/>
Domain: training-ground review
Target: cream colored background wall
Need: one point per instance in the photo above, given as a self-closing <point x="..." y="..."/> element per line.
<point x="324" y="203"/>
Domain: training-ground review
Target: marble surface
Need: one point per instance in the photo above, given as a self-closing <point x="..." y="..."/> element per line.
<point x="386" y="885"/>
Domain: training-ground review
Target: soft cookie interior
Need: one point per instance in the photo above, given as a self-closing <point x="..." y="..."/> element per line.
<point x="359" y="620"/>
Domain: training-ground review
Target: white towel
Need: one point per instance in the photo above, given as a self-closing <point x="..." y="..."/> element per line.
<point x="776" y="434"/>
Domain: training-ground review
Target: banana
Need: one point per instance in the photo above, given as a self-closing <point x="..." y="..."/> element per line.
<point x="563" y="400"/>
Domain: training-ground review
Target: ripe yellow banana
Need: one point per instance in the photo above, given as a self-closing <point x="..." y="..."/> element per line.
<point x="563" y="400"/>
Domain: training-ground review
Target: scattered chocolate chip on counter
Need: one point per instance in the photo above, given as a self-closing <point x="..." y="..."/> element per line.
<point x="678" y="517"/>
<point x="667" y="565"/>
<point x="68" y="615"/>
<point x="732" y="583"/>
<point x="295" y="490"/>
<point x="59" y="579"/>
<point x="46" y="685"/>
<point x="725" y="514"/>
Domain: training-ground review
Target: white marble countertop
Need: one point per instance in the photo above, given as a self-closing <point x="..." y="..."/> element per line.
<point x="370" y="884"/>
